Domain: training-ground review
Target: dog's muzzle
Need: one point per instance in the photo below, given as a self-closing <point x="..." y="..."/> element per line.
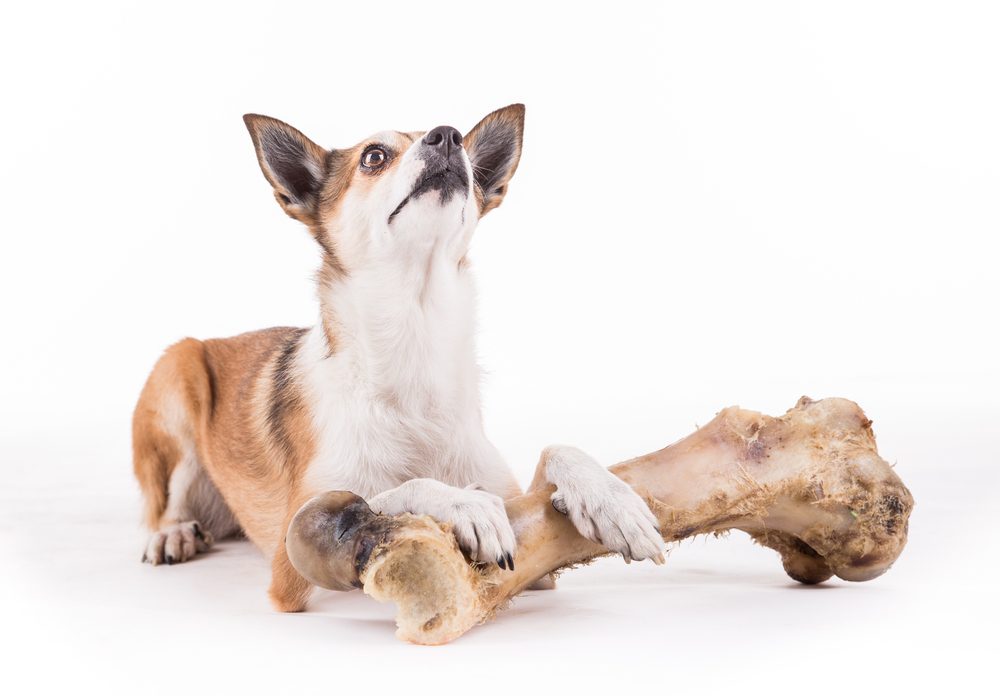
<point x="444" y="171"/>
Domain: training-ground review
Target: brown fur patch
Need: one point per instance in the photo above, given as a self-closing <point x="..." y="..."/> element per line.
<point x="177" y="388"/>
<point x="343" y="173"/>
<point x="225" y="388"/>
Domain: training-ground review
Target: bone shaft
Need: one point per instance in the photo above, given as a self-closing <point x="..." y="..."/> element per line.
<point x="707" y="482"/>
<point x="548" y="541"/>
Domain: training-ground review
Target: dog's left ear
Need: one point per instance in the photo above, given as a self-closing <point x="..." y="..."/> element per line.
<point x="494" y="146"/>
<point x="293" y="164"/>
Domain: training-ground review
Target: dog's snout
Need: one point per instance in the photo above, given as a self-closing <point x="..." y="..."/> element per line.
<point x="444" y="169"/>
<point x="444" y="139"/>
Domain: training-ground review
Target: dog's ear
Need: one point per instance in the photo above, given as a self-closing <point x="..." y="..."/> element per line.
<point x="293" y="164"/>
<point x="494" y="146"/>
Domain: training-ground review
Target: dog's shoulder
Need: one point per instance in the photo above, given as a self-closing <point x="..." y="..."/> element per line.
<point x="253" y="345"/>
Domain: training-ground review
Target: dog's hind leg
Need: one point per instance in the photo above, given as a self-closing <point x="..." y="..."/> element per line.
<point x="194" y="516"/>
<point x="183" y="508"/>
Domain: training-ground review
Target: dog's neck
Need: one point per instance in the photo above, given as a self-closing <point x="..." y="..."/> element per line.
<point x="405" y="330"/>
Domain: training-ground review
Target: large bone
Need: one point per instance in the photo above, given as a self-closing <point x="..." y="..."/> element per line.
<point x="809" y="484"/>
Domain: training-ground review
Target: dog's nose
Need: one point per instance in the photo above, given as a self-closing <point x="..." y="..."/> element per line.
<point x="444" y="139"/>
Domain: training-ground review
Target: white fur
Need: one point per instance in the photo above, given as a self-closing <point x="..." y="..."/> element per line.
<point x="396" y="406"/>
<point x="181" y="481"/>
<point x="602" y="507"/>
<point x="423" y="230"/>
<point x="398" y="399"/>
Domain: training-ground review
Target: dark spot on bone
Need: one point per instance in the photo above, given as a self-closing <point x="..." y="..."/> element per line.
<point x="347" y="520"/>
<point x="892" y="507"/>
<point x="364" y="552"/>
<point x="861" y="561"/>
<point x="804" y="548"/>
<point x="892" y="504"/>
<point x="756" y="450"/>
<point x="377" y="530"/>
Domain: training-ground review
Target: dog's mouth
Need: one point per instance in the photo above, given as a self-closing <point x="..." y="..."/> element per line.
<point x="446" y="180"/>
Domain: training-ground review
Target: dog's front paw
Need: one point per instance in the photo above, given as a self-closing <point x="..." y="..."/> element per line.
<point x="605" y="509"/>
<point x="176" y="543"/>
<point x="479" y="521"/>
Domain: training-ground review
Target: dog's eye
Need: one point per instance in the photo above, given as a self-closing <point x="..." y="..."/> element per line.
<point x="373" y="158"/>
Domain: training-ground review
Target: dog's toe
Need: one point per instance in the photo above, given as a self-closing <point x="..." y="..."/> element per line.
<point x="613" y="515"/>
<point x="176" y="544"/>
<point x="480" y="525"/>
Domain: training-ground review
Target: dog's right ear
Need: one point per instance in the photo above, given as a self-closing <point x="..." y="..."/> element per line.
<point x="494" y="148"/>
<point x="293" y="164"/>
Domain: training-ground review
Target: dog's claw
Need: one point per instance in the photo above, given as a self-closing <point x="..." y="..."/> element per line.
<point x="510" y="562"/>
<point x="502" y="563"/>
<point x="171" y="560"/>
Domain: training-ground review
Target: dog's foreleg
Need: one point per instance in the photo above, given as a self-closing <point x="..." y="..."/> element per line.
<point x="478" y="518"/>
<point x="289" y="591"/>
<point x="602" y="507"/>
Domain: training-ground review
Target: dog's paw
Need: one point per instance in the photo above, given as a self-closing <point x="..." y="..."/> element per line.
<point x="177" y="543"/>
<point x="479" y="521"/>
<point x="605" y="509"/>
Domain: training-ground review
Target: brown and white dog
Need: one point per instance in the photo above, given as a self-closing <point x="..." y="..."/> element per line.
<point x="381" y="396"/>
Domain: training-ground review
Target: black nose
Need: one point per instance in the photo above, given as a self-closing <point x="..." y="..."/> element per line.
<point x="445" y="139"/>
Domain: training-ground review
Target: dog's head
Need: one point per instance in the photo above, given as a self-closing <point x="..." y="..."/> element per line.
<point x="394" y="195"/>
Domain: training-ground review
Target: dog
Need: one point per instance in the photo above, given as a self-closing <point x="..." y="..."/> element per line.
<point x="381" y="396"/>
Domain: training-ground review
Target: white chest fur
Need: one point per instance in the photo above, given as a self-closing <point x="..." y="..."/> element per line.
<point x="398" y="398"/>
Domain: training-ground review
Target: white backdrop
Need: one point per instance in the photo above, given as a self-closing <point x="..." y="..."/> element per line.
<point x="718" y="203"/>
